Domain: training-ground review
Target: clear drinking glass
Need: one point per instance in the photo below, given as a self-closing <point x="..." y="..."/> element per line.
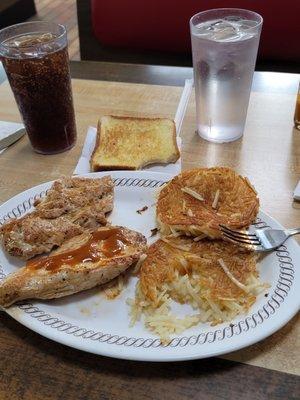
<point x="35" y="58"/>
<point x="224" y="46"/>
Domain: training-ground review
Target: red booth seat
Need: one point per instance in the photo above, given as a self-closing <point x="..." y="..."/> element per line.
<point x="163" y="25"/>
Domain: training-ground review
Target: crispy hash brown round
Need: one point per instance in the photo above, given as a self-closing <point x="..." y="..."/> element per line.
<point x="197" y="201"/>
<point x="214" y="277"/>
<point x="169" y="258"/>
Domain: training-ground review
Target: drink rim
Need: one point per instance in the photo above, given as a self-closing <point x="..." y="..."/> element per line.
<point x="259" y="22"/>
<point x="33" y="23"/>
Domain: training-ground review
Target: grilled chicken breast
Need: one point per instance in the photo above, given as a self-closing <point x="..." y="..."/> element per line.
<point x="70" y="206"/>
<point x="83" y="262"/>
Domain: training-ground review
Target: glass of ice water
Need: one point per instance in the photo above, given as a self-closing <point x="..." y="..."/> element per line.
<point x="224" y="47"/>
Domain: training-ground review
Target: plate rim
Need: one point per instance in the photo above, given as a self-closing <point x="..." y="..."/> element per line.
<point x="56" y="336"/>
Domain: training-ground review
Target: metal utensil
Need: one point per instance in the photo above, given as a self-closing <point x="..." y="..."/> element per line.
<point x="8" y="140"/>
<point x="265" y="239"/>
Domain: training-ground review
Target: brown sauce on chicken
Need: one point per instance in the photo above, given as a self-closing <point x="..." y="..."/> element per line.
<point x="102" y="243"/>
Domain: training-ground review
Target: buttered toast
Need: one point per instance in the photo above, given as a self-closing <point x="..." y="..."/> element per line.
<point x="132" y="143"/>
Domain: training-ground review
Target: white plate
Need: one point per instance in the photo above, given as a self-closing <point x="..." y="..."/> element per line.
<point x="87" y="321"/>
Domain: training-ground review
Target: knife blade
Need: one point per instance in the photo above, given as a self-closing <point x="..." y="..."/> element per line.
<point x="8" y="140"/>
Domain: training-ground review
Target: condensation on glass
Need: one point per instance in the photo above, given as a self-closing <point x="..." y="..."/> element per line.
<point x="35" y="58"/>
<point x="224" y="47"/>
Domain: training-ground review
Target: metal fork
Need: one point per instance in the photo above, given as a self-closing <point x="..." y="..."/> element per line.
<point x="263" y="239"/>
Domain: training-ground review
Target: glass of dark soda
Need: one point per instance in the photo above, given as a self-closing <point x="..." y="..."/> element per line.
<point x="35" y="58"/>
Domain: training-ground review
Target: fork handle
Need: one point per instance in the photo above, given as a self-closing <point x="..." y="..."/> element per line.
<point x="291" y="232"/>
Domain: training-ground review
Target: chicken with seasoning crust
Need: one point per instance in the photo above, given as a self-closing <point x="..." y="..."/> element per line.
<point x="71" y="206"/>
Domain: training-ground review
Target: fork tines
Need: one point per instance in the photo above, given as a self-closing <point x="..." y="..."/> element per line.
<point x="240" y="236"/>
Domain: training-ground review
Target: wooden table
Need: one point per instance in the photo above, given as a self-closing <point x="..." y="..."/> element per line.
<point x="33" y="367"/>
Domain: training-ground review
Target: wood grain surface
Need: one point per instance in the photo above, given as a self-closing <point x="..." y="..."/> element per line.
<point x="34" y="368"/>
<point x="268" y="154"/>
<point x="92" y="99"/>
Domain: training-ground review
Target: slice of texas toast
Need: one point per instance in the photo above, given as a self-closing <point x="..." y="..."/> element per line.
<point x="132" y="143"/>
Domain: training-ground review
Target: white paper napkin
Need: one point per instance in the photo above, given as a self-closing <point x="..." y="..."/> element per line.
<point x="7" y="129"/>
<point x="83" y="165"/>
